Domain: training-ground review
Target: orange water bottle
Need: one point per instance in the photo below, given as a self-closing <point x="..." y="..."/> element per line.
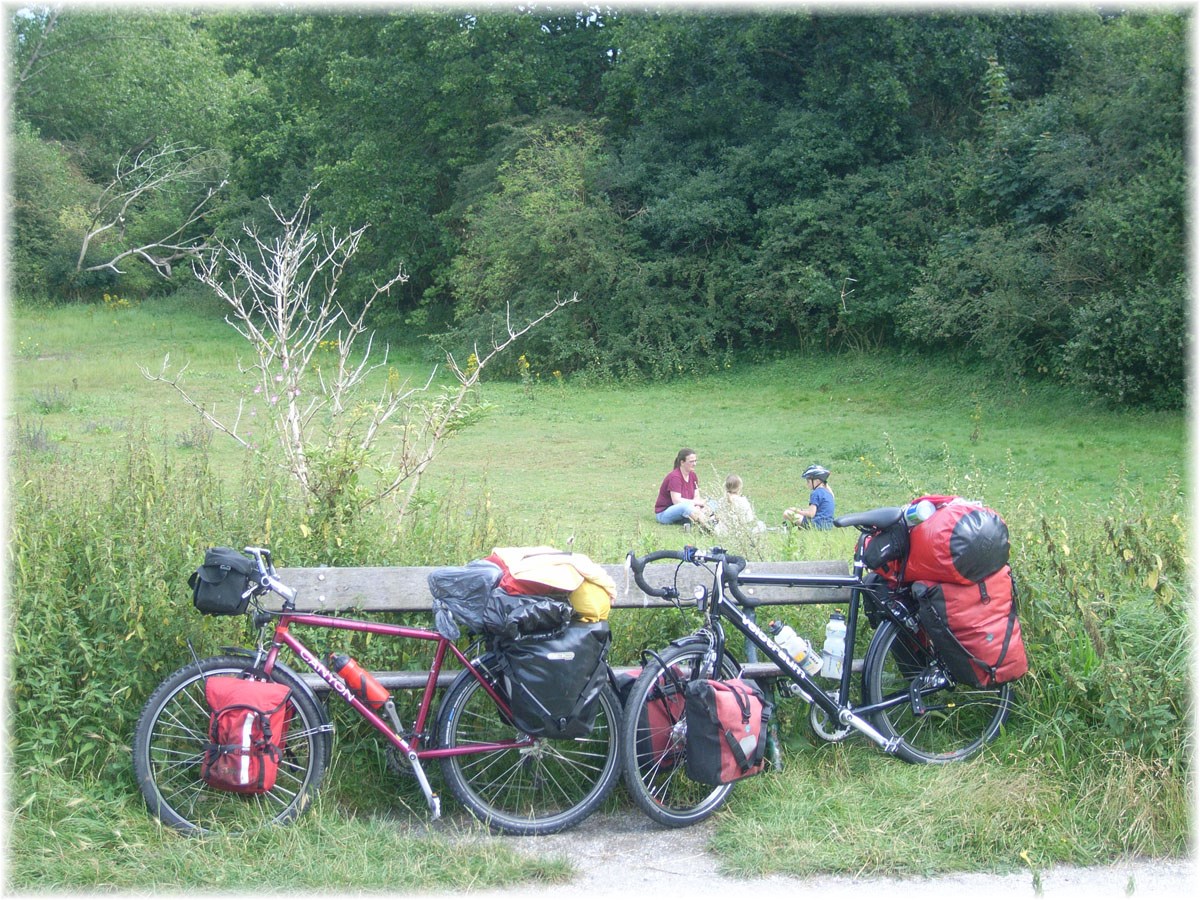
<point x="362" y="684"/>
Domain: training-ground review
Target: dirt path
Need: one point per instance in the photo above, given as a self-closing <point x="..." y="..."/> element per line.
<point x="625" y="855"/>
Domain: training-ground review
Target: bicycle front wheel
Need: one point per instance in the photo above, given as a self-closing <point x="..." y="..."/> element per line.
<point x="653" y="743"/>
<point x="935" y="720"/>
<point x="538" y="788"/>
<point x="168" y="749"/>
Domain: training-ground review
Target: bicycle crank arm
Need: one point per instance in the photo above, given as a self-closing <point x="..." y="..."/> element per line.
<point x="431" y="797"/>
<point x="888" y="745"/>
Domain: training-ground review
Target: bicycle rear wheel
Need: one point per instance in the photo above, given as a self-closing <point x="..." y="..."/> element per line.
<point x="935" y="720"/>
<point x="653" y="740"/>
<point x="540" y="788"/>
<point x="168" y="748"/>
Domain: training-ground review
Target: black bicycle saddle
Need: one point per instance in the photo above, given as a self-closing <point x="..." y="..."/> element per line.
<point x="872" y="518"/>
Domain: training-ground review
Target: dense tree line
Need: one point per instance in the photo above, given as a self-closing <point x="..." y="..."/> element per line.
<point x="1008" y="187"/>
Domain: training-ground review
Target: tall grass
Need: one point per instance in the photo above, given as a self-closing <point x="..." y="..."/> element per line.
<point x="105" y="526"/>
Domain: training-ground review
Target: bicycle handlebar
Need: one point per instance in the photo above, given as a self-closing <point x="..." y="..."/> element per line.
<point x="267" y="577"/>
<point x="732" y="567"/>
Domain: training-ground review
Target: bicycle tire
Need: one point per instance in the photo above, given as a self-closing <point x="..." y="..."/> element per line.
<point x="653" y="751"/>
<point x="543" y="788"/>
<point x="168" y="747"/>
<point x="959" y="720"/>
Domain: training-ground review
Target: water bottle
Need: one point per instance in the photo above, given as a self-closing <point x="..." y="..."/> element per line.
<point x="916" y="513"/>
<point x="362" y="684"/>
<point x="833" y="654"/>
<point x="796" y="647"/>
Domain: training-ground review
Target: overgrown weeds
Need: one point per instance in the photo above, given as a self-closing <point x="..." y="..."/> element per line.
<point x="1094" y="763"/>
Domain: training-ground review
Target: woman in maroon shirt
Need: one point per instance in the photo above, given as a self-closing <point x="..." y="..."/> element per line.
<point x="677" y="501"/>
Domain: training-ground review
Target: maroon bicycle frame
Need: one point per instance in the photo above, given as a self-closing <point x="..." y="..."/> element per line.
<point x="284" y="637"/>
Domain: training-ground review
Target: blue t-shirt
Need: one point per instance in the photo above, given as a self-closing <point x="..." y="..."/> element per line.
<point x="822" y="499"/>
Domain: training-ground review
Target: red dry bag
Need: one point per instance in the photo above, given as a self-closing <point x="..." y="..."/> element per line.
<point x="963" y="541"/>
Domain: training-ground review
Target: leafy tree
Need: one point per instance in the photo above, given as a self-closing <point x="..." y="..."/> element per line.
<point x="543" y="232"/>
<point x="111" y="91"/>
<point x="48" y="199"/>
<point x="108" y="83"/>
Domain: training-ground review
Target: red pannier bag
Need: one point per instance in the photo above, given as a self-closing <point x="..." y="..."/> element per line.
<point x="659" y="744"/>
<point x="974" y="628"/>
<point x="726" y="730"/>
<point x="246" y="731"/>
<point x="963" y="542"/>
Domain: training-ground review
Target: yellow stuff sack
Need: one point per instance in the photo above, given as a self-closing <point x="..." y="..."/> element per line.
<point x="591" y="601"/>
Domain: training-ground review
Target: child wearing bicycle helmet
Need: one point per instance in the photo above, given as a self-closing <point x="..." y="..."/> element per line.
<point x="819" y="512"/>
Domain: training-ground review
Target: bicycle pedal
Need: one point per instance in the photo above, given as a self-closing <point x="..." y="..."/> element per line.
<point x="435" y="808"/>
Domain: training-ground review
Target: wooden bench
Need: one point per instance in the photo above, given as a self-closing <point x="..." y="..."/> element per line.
<point x="379" y="589"/>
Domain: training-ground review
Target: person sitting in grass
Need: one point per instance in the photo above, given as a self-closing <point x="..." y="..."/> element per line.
<point x="735" y="512"/>
<point x="819" y="512"/>
<point x="679" y="502"/>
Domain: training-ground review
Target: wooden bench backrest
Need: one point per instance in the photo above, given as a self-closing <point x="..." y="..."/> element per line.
<point x="403" y="589"/>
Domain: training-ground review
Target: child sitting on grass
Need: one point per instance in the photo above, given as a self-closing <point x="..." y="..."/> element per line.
<point x="734" y="512"/>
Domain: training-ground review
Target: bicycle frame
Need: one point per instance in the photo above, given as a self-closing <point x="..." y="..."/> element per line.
<point x="838" y="707"/>
<point x="412" y="750"/>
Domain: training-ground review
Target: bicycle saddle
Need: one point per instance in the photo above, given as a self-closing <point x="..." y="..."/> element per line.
<point x="872" y="518"/>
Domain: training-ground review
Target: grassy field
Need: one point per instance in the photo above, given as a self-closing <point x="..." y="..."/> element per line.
<point x="586" y="460"/>
<point x="105" y="462"/>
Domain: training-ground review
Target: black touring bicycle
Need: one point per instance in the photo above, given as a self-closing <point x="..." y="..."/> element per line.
<point x="909" y="701"/>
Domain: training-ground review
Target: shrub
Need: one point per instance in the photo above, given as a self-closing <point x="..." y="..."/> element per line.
<point x="1106" y="619"/>
<point x="1131" y="348"/>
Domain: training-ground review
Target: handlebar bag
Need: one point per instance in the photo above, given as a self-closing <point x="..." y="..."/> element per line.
<point x="246" y="731"/>
<point x="963" y="541"/>
<point x="974" y="628"/>
<point x="554" y="680"/>
<point x="660" y="740"/>
<point x="726" y="730"/>
<point x="224" y="584"/>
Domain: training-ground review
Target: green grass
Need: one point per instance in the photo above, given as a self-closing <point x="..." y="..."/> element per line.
<point x="73" y="835"/>
<point x="998" y="812"/>
<point x="585" y="461"/>
<point x="115" y="488"/>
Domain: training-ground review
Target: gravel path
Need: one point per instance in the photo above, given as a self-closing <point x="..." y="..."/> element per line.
<point x="625" y="855"/>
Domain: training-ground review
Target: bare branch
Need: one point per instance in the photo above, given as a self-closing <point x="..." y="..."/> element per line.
<point x="153" y="175"/>
<point x="282" y="300"/>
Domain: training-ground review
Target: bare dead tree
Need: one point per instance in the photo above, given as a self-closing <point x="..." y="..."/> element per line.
<point x="186" y="177"/>
<point x="283" y="297"/>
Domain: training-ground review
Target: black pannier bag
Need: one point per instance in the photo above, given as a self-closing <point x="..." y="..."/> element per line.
<point x="884" y="551"/>
<point x="554" y="680"/>
<point x="224" y="584"/>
